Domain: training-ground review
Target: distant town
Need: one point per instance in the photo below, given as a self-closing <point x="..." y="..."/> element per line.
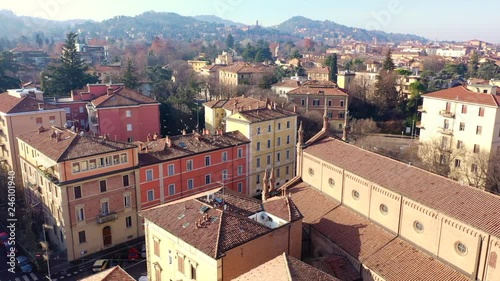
<point x="181" y="148"/>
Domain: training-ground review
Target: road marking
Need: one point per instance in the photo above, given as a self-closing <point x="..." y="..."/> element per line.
<point x="33" y="276"/>
<point x="17" y="279"/>
<point x="25" y="277"/>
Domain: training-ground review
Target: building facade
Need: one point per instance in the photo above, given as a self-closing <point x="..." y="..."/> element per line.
<point x="318" y="73"/>
<point x="83" y="187"/>
<point x="243" y="74"/>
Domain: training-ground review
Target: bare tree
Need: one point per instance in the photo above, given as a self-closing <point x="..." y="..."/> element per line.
<point x="360" y="128"/>
<point x="438" y="156"/>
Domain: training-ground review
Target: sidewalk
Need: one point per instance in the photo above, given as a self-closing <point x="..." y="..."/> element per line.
<point x="59" y="269"/>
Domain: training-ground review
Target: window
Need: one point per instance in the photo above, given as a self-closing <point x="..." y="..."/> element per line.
<point x="279" y="126"/>
<point x="149" y="175"/>
<point x="481" y="111"/>
<point x="68" y="110"/>
<point x="80" y="214"/>
<point x="257" y="179"/>
<point x="171" y="189"/>
<point x="331" y="182"/>
<point x="258" y="146"/>
<point x="269" y="128"/>
<point x="207" y="160"/>
<point x="462" y="126"/>
<point x="384" y="209"/>
<point x="193" y="272"/>
<point x="81" y="237"/>
<point x="355" y="195"/>
<point x="105" y="207"/>
<point x="240" y="152"/>
<point x="476" y="148"/>
<point x="311" y="172"/>
<point x="123" y="158"/>
<point x="446" y="125"/>
<point x="460" y="248"/>
<point x="129" y="127"/>
<point x="128" y="222"/>
<point x="278" y="172"/>
<point x="268" y="159"/>
<point x="125" y="181"/>
<point x="329" y="102"/>
<point x="190" y="184"/>
<point x="268" y="143"/>
<point x="258" y="162"/>
<point x="78" y="192"/>
<point x="287" y="170"/>
<point x="288" y="155"/>
<point x="258" y="130"/>
<point x="224" y="174"/>
<point x="224" y="156"/>
<point x="240" y="187"/>
<point x="464" y="108"/>
<point x="288" y="139"/>
<point x="207" y="179"/>
<point x="171" y="170"/>
<point x="473" y="168"/>
<point x="240" y="170"/>
<point x="278" y="157"/>
<point x="116" y="159"/>
<point x="92" y="164"/>
<point x="418" y="226"/>
<point x="288" y="124"/>
<point x="457" y="163"/>
<point x="156" y="245"/>
<point x="102" y="185"/>
<point x="341" y="103"/>
<point x="76" y="167"/>
<point x="108" y="160"/>
<point x="100" y="163"/>
<point x="180" y="264"/>
<point x="189" y="165"/>
<point x="341" y="115"/>
<point x="315" y="102"/>
<point x="52" y="119"/>
<point x="302" y="102"/>
<point x="128" y="113"/>
<point x="460" y="144"/>
<point x="126" y="201"/>
<point x="39" y="121"/>
<point x="479" y="130"/>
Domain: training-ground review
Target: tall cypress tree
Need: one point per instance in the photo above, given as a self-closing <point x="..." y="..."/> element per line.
<point x="388" y="64"/>
<point x="129" y="77"/>
<point x="333" y="68"/>
<point x="69" y="73"/>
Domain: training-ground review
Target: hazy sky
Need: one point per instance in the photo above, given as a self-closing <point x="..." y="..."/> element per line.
<point x="436" y="19"/>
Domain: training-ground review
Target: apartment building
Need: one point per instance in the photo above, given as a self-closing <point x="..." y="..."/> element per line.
<point x="272" y="131"/>
<point x="175" y="167"/>
<point x="23" y="110"/>
<point x="318" y="73"/>
<point x="217" y="110"/>
<point x="243" y="74"/>
<point x="219" y="236"/>
<point x="82" y="186"/>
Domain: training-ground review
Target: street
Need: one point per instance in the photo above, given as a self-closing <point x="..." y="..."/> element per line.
<point x="135" y="268"/>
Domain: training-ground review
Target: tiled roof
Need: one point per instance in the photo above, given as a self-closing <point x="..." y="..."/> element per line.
<point x="246" y="68"/>
<point x="370" y="243"/>
<point x="283" y="208"/>
<point x="326" y="88"/>
<point x="122" y="96"/>
<point x="285" y="268"/>
<point x="115" y="273"/>
<point x="312" y="203"/>
<point x="12" y="104"/>
<point x="322" y="70"/>
<point x="434" y="191"/>
<point x="223" y="230"/>
<point x="265" y="114"/>
<point x="188" y="144"/>
<point x="289" y="83"/>
<point x="70" y="145"/>
<point x="244" y="102"/>
<point x="462" y="94"/>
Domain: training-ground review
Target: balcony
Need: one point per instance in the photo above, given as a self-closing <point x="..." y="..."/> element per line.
<point x="94" y="121"/>
<point x="447" y="114"/>
<point x="106" y="217"/>
<point x="421" y="109"/>
<point x="419" y="125"/>
<point x="448" y="132"/>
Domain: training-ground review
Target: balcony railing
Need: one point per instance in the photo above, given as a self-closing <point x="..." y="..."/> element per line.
<point x="421" y="108"/>
<point x="419" y="125"/>
<point x="447" y="114"/>
<point x="106" y="217"/>
<point x="444" y="131"/>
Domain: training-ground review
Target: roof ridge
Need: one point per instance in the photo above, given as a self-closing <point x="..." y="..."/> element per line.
<point x="222" y="217"/>
<point x="288" y="274"/>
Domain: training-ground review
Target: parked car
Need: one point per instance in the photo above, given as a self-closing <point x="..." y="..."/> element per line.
<point x="100" y="265"/>
<point x="115" y="262"/>
<point x="143" y="251"/>
<point x="24" y="264"/>
<point x="133" y="254"/>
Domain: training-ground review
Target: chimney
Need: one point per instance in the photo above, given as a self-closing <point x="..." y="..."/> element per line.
<point x="41" y="129"/>
<point x="301" y="135"/>
<point x="155" y="136"/>
<point x="249" y="107"/>
<point x="168" y="142"/>
<point x="295" y="108"/>
<point x="325" y="124"/>
<point x="40" y="106"/>
<point x="274" y="105"/>
<point x="109" y="91"/>
<point x="264" y="187"/>
<point x="148" y="138"/>
<point x="207" y="132"/>
<point x="183" y="132"/>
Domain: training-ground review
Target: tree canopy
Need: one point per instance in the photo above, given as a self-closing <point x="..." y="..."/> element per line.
<point x="8" y="69"/>
<point x="388" y="64"/>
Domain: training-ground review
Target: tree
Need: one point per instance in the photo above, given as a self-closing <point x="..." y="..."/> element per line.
<point x="230" y="41"/>
<point x="331" y="63"/>
<point x="296" y="55"/>
<point x="8" y="69"/>
<point x="386" y="98"/>
<point x="473" y="65"/>
<point x="488" y="70"/>
<point x="388" y="64"/>
<point x="69" y="73"/>
<point x="129" y="76"/>
<point x="159" y="77"/>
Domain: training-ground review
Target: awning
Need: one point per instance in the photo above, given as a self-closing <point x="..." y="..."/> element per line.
<point x="44" y="161"/>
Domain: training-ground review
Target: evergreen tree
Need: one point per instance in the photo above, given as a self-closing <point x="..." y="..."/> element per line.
<point x="129" y="77"/>
<point x="8" y="69"/>
<point x="473" y="65"/>
<point x="388" y="64"/>
<point x="333" y="68"/>
<point x="230" y="41"/>
<point x="69" y="73"/>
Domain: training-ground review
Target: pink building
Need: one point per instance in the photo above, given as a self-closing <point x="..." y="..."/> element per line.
<point x="124" y="115"/>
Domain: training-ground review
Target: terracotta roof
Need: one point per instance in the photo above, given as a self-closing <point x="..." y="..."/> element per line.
<point x="370" y="243"/>
<point x="264" y="114"/>
<point x="182" y="145"/>
<point x="229" y="104"/>
<point x="222" y="231"/>
<point x="303" y="196"/>
<point x="246" y="68"/>
<point x="71" y="145"/>
<point x="462" y="94"/>
<point x="434" y="191"/>
<point x="322" y="70"/>
<point x="326" y="88"/>
<point x="116" y="273"/>
<point x="289" y="83"/>
<point x="122" y="96"/>
<point x="338" y="266"/>
<point x="283" y="208"/>
<point x="285" y="268"/>
<point x="12" y="104"/>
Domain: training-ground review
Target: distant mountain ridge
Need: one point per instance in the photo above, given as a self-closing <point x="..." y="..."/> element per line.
<point x="219" y="20"/>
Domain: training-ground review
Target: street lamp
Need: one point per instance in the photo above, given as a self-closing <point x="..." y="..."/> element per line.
<point x="46" y="226"/>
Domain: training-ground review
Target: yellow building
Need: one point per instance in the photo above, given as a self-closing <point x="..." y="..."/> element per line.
<point x="243" y="74"/>
<point x="219" y="236"/>
<point x="318" y="73"/>
<point x="197" y="65"/>
<point x="23" y="110"/>
<point x="391" y="220"/>
<point x="217" y="110"/>
<point x="83" y="187"/>
<point x="272" y="132"/>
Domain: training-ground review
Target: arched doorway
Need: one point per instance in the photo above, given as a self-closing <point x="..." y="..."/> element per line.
<point x="106" y="236"/>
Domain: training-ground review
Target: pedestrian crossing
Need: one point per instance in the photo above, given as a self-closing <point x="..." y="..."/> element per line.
<point x="27" y="277"/>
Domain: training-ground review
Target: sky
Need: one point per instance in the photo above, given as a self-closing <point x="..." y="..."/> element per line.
<point x="436" y="20"/>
